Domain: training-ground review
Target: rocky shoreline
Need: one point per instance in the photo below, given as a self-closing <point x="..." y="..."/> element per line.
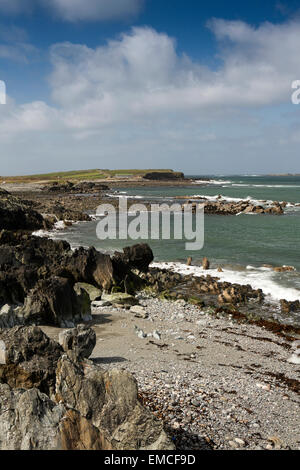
<point x="46" y="284"/>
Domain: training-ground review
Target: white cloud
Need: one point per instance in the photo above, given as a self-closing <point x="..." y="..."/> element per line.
<point x="76" y="10"/>
<point x="142" y="75"/>
<point x="137" y="90"/>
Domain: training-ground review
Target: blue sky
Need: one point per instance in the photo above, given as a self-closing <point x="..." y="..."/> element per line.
<point x="153" y="83"/>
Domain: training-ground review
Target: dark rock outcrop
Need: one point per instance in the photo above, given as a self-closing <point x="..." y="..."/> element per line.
<point x="69" y="187"/>
<point x="24" y="260"/>
<point x="45" y="276"/>
<point x="134" y="257"/>
<point x="16" y="215"/>
<point x="161" y="176"/>
<point x="233" y="208"/>
<point x="53" y="301"/>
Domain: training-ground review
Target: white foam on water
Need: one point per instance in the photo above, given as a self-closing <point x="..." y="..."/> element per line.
<point x="249" y="199"/>
<point x="216" y="182"/>
<point x="121" y="195"/>
<point x="246" y="185"/>
<point x="258" y="278"/>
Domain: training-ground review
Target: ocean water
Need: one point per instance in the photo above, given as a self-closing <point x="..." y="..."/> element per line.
<point x="242" y="244"/>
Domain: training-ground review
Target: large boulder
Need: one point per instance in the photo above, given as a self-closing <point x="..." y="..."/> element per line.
<point x="55" y="302"/>
<point x="109" y="399"/>
<point x="16" y="215"/>
<point x="135" y="257"/>
<point x="80" y="340"/>
<point x="26" y="259"/>
<point x="28" y="358"/>
<point x="51" y="400"/>
<point x="90" y="266"/>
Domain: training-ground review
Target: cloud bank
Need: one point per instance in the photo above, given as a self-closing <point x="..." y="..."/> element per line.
<point x="137" y="88"/>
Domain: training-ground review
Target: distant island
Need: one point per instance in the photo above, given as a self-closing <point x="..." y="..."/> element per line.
<point x="97" y="174"/>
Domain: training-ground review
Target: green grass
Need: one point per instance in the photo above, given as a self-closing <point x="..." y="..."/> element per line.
<point x="78" y="175"/>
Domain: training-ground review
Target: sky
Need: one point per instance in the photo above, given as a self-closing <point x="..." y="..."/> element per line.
<point x="204" y="89"/>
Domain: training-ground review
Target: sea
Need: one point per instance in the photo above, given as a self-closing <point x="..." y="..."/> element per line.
<point x="247" y="247"/>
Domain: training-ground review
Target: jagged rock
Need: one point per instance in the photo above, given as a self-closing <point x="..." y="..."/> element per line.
<point x="69" y="187"/>
<point x="120" y="298"/>
<point x="53" y="302"/>
<point x="16" y="215"/>
<point x="29" y="420"/>
<point x="61" y="213"/>
<point x="40" y="273"/>
<point x="92" y="267"/>
<point x="283" y="269"/>
<point x="84" y="303"/>
<point x="230" y="296"/>
<point x="26" y="260"/>
<point x="109" y="400"/>
<point x="81" y="340"/>
<point x="223" y="207"/>
<point x="10" y="316"/>
<point x="28" y="358"/>
<point x="287" y="307"/>
<point x="135" y="257"/>
<point x="93" y="409"/>
<point x="93" y="292"/>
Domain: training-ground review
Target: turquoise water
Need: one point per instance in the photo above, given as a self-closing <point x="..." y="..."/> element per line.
<point x="240" y="244"/>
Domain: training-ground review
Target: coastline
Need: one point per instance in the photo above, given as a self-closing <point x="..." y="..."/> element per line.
<point x="212" y="373"/>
